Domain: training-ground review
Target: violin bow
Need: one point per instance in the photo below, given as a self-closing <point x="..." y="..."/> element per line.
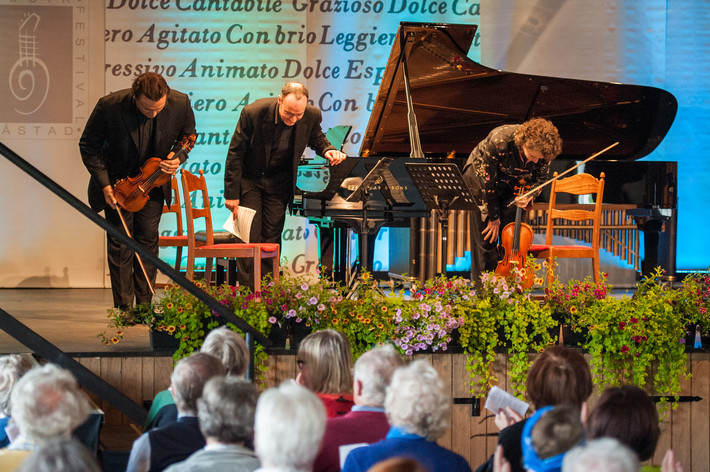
<point x="530" y="192"/>
<point x="140" y="261"/>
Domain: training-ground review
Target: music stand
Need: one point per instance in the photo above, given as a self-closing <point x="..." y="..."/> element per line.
<point x="442" y="189"/>
<point x="372" y="181"/>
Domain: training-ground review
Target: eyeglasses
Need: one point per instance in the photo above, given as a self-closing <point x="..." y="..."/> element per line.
<point x="300" y="364"/>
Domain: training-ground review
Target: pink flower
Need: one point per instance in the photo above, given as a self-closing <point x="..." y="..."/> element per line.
<point x="624" y="349"/>
<point x="622" y="324"/>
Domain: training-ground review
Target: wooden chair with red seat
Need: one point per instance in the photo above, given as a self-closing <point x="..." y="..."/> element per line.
<point x="578" y="184"/>
<point x="178" y="241"/>
<point x="208" y="248"/>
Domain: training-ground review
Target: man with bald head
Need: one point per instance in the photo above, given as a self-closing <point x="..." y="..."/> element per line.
<point x="262" y="162"/>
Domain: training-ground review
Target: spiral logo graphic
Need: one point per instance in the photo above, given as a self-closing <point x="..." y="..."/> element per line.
<point x="29" y="76"/>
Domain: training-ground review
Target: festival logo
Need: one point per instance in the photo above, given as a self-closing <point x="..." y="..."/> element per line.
<point x="29" y="76"/>
<point x="37" y="64"/>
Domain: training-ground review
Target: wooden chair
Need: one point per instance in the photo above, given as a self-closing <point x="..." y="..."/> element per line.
<point x="180" y="239"/>
<point x="207" y="248"/>
<point x="579" y="184"/>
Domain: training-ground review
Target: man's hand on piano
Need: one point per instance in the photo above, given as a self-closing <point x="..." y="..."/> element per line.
<point x="335" y="157"/>
<point x="232" y="206"/>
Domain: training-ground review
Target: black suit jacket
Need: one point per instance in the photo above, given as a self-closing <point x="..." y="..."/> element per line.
<point x="109" y="143"/>
<point x="253" y="138"/>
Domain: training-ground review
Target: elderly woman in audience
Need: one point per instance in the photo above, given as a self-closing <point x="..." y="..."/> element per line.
<point x="326" y="367"/>
<point x="12" y="367"/>
<point x="61" y="455"/>
<point x="419" y="411"/>
<point x="288" y="428"/>
<point x="601" y="455"/>
<point x="224" y="344"/>
<point x="366" y="422"/>
<point x="46" y="404"/>
<point x="226" y="416"/>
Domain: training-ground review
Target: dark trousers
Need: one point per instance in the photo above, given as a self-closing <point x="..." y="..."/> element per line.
<point x="269" y="196"/>
<point x="485" y="255"/>
<point x="127" y="278"/>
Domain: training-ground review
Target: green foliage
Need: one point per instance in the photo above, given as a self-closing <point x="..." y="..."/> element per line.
<point x="638" y="339"/>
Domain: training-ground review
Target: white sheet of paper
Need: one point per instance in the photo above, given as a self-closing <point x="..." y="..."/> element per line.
<point x="345" y="449"/>
<point x="498" y="399"/>
<point x="241" y="227"/>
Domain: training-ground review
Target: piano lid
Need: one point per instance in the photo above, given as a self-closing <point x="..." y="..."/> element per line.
<point x="457" y="102"/>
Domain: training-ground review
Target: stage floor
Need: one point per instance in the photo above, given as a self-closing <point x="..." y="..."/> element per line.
<point x="69" y="318"/>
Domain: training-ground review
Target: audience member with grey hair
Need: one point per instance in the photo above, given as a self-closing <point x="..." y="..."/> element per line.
<point x="174" y="442"/>
<point x="46" y="404"/>
<point x="601" y="455"/>
<point x="12" y="367"/>
<point x="419" y="410"/>
<point x="61" y="455"/>
<point x="226" y="345"/>
<point x="288" y="428"/>
<point x="226" y="415"/>
<point x="366" y="422"/>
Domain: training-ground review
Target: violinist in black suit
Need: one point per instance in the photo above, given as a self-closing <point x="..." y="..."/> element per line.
<point x="263" y="158"/>
<point x="125" y="129"/>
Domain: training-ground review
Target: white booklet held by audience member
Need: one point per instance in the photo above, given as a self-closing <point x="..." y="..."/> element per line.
<point x="241" y="227"/>
<point x="498" y="399"/>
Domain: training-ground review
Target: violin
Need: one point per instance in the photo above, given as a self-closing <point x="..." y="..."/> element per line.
<point x="516" y="239"/>
<point x="132" y="193"/>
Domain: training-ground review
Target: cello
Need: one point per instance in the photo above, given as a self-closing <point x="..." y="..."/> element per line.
<point x="132" y="193"/>
<point x="516" y="239"/>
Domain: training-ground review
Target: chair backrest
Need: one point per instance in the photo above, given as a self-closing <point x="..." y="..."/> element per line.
<point x="578" y="184"/>
<point x="175" y="205"/>
<point x="190" y="184"/>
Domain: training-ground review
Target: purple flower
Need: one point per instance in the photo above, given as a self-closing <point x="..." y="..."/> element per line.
<point x="304" y="287"/>
<point x="272" y="319"/>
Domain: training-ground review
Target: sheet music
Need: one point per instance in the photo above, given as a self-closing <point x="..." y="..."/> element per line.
<point x="241" y="227"/>
<point x="498" y="399"/>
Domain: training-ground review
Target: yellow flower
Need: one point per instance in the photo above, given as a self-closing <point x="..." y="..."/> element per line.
<point x="334" y="321"/>
<point x="380" y="326"/>
<point x="119" y="333"/>
<point x="573" y="309"/>
<point x="114" y="340"/>
<point x="171" y="329"/>
<point x="384" y="308"/>
<point x="367" y="321"/>
<point x="169" y="305"/>
<point x="188" y="306"/>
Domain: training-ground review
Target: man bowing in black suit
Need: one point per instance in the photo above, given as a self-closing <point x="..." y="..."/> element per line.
<point x="125" y="129"/>
<point x="263" y="158"/>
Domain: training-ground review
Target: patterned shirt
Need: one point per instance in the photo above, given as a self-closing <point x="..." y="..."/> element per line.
<point x="498" y="165"/>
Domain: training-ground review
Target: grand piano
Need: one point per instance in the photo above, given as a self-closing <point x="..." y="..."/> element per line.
<point x="435" y="104"/>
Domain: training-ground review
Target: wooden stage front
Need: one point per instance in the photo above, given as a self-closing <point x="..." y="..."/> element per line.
<point x="72" y="318"/>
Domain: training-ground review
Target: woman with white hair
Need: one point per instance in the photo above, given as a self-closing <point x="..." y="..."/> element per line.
<point x="288" y="428"/>
<point x="46" y="404"/>
<point x="601" y="455"/>
<point x="419" y="411"/>
<point x="12" y="367"/>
